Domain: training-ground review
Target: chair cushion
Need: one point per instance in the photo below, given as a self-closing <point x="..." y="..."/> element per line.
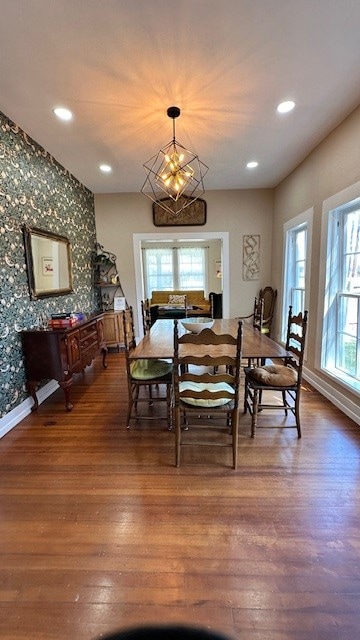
<point x="148" y="369"/>
<point x="275" y="375"/>
<point x="212" y="386"/>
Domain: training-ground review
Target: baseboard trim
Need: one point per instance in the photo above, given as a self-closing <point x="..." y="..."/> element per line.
<point x="343" y="403"/>
<point x="20" y="412"/>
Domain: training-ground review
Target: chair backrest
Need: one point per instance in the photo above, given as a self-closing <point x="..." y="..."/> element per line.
<point x="129" y="330"/>
<point x="268" y="295"/>
<point x="146" y="317"/>
<point x="215" y="304"/>
<point x="295" y="339"/>
<point x="195" y="355"/>
<point x="258" y="317"/>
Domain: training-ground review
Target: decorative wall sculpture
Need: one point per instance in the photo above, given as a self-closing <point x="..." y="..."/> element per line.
<point x="37" y="191"/>
<point x="193" y="215"/>
<point x="251" y="257"/>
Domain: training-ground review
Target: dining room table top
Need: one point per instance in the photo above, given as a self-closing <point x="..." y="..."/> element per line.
<point x="159" y="341"/>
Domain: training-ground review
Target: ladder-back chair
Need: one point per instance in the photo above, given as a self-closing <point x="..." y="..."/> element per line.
<point x="146" y="316"/>
<point x="206" y="387"/>
<point x="144" y="375"/>
<point x="284" y="378"/>
<point x="268" y="295"/>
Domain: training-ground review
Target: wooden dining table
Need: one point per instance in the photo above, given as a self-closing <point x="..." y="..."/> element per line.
<point x="159" y="341"/>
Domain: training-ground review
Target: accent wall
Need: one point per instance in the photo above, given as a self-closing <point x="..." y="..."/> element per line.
<point x="37" y="191"/>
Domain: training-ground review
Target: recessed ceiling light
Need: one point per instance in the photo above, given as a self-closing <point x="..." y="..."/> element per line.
<point x="285" y="107"/>
<point x="105" y="168"/>
<point x="252" y="165"/>
<point x="62" y="113"/>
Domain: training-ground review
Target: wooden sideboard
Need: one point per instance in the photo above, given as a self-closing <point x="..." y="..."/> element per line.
<point x="59" y="353"/>
<point x="113" y="329"/>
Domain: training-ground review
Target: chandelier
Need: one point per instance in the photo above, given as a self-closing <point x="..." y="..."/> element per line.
<point x="175" y="175"/>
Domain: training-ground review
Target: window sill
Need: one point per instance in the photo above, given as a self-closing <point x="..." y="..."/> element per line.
<point x="343" y="379"/>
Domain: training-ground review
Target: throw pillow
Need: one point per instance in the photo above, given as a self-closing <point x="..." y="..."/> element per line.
<point x="177" y="299"/>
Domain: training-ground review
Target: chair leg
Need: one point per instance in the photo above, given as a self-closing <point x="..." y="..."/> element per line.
<point x="168" y="406"/>
<point x="235" y="437"/>
<point x="254" y="412"/>
<point x="246" y="395"/>
<point x="129" y="412"/>
<point x="297" y="415"/>
<point x="135" y="396"/>
<point x="151" y="402"/>
<point x="285" y="402"/>
<point x="177" y="436"/>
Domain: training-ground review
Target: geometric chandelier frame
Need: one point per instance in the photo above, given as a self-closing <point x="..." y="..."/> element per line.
<point x="175" y="175"/>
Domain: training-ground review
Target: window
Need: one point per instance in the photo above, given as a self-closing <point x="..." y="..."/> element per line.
<point x="296" y="263"/>
<point x="183" y="267"/>
<point x="341" y="334"/>
<point x="191" y="268"/>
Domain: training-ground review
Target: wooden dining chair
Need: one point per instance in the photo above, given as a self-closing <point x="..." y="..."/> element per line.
<point x="268" y="295"/>
<point x="206" y="389"/>
<point x="143" y="375"/>
<point x="284" y="378"/>
<point x="256" y="319"/>
<point x="215" y="300"/>
<point x="146" y="316"/>
<point x="258" y="314"/>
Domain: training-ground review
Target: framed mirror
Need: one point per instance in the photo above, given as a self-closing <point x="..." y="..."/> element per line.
<point x="48" y="261"/>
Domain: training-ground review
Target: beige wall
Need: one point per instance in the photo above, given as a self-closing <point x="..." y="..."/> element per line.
<point x="242" y="212"/>
<point x="330" y="168"/>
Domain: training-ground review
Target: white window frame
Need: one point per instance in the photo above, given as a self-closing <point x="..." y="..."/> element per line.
<point x="174" y="253"/>
<point x="331" y="281"/>
<point x="303" y="221"/>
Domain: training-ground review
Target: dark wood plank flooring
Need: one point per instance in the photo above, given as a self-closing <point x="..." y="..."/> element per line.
<point x="99" y="530"/>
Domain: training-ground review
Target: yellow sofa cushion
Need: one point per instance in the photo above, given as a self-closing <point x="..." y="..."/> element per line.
<point x="193" y="298"/>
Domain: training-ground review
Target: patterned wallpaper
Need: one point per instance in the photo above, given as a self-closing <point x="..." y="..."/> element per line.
<point x="37" y="191"/>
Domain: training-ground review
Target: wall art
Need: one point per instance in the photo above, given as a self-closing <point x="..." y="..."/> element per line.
<point x="251" y="257"/>
<point x="193" y="215"/>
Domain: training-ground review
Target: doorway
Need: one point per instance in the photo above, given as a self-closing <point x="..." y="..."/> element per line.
<point x="138" y="238"/>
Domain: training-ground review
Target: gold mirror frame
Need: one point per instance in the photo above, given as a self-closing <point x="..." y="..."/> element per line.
<point x="48" y="262"/>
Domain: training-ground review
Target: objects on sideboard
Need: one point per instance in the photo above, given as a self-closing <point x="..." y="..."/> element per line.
<point x="60" y="320"/>
<point x="107" y="280"/>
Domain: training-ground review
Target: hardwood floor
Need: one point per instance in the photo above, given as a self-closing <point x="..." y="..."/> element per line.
<point x="99" y="530"/>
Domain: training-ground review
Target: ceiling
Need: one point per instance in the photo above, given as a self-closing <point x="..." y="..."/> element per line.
<point x="119" y="64"/>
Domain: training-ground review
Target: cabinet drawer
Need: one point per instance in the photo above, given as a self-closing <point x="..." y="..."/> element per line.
<point x="88" y="330"/>
<point x="73" y="351"/>
<point x="89" y="353"/>
<point x="88" y="341"/>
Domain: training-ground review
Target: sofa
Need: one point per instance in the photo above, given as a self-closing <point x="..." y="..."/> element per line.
<point x="178" y="304"/>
